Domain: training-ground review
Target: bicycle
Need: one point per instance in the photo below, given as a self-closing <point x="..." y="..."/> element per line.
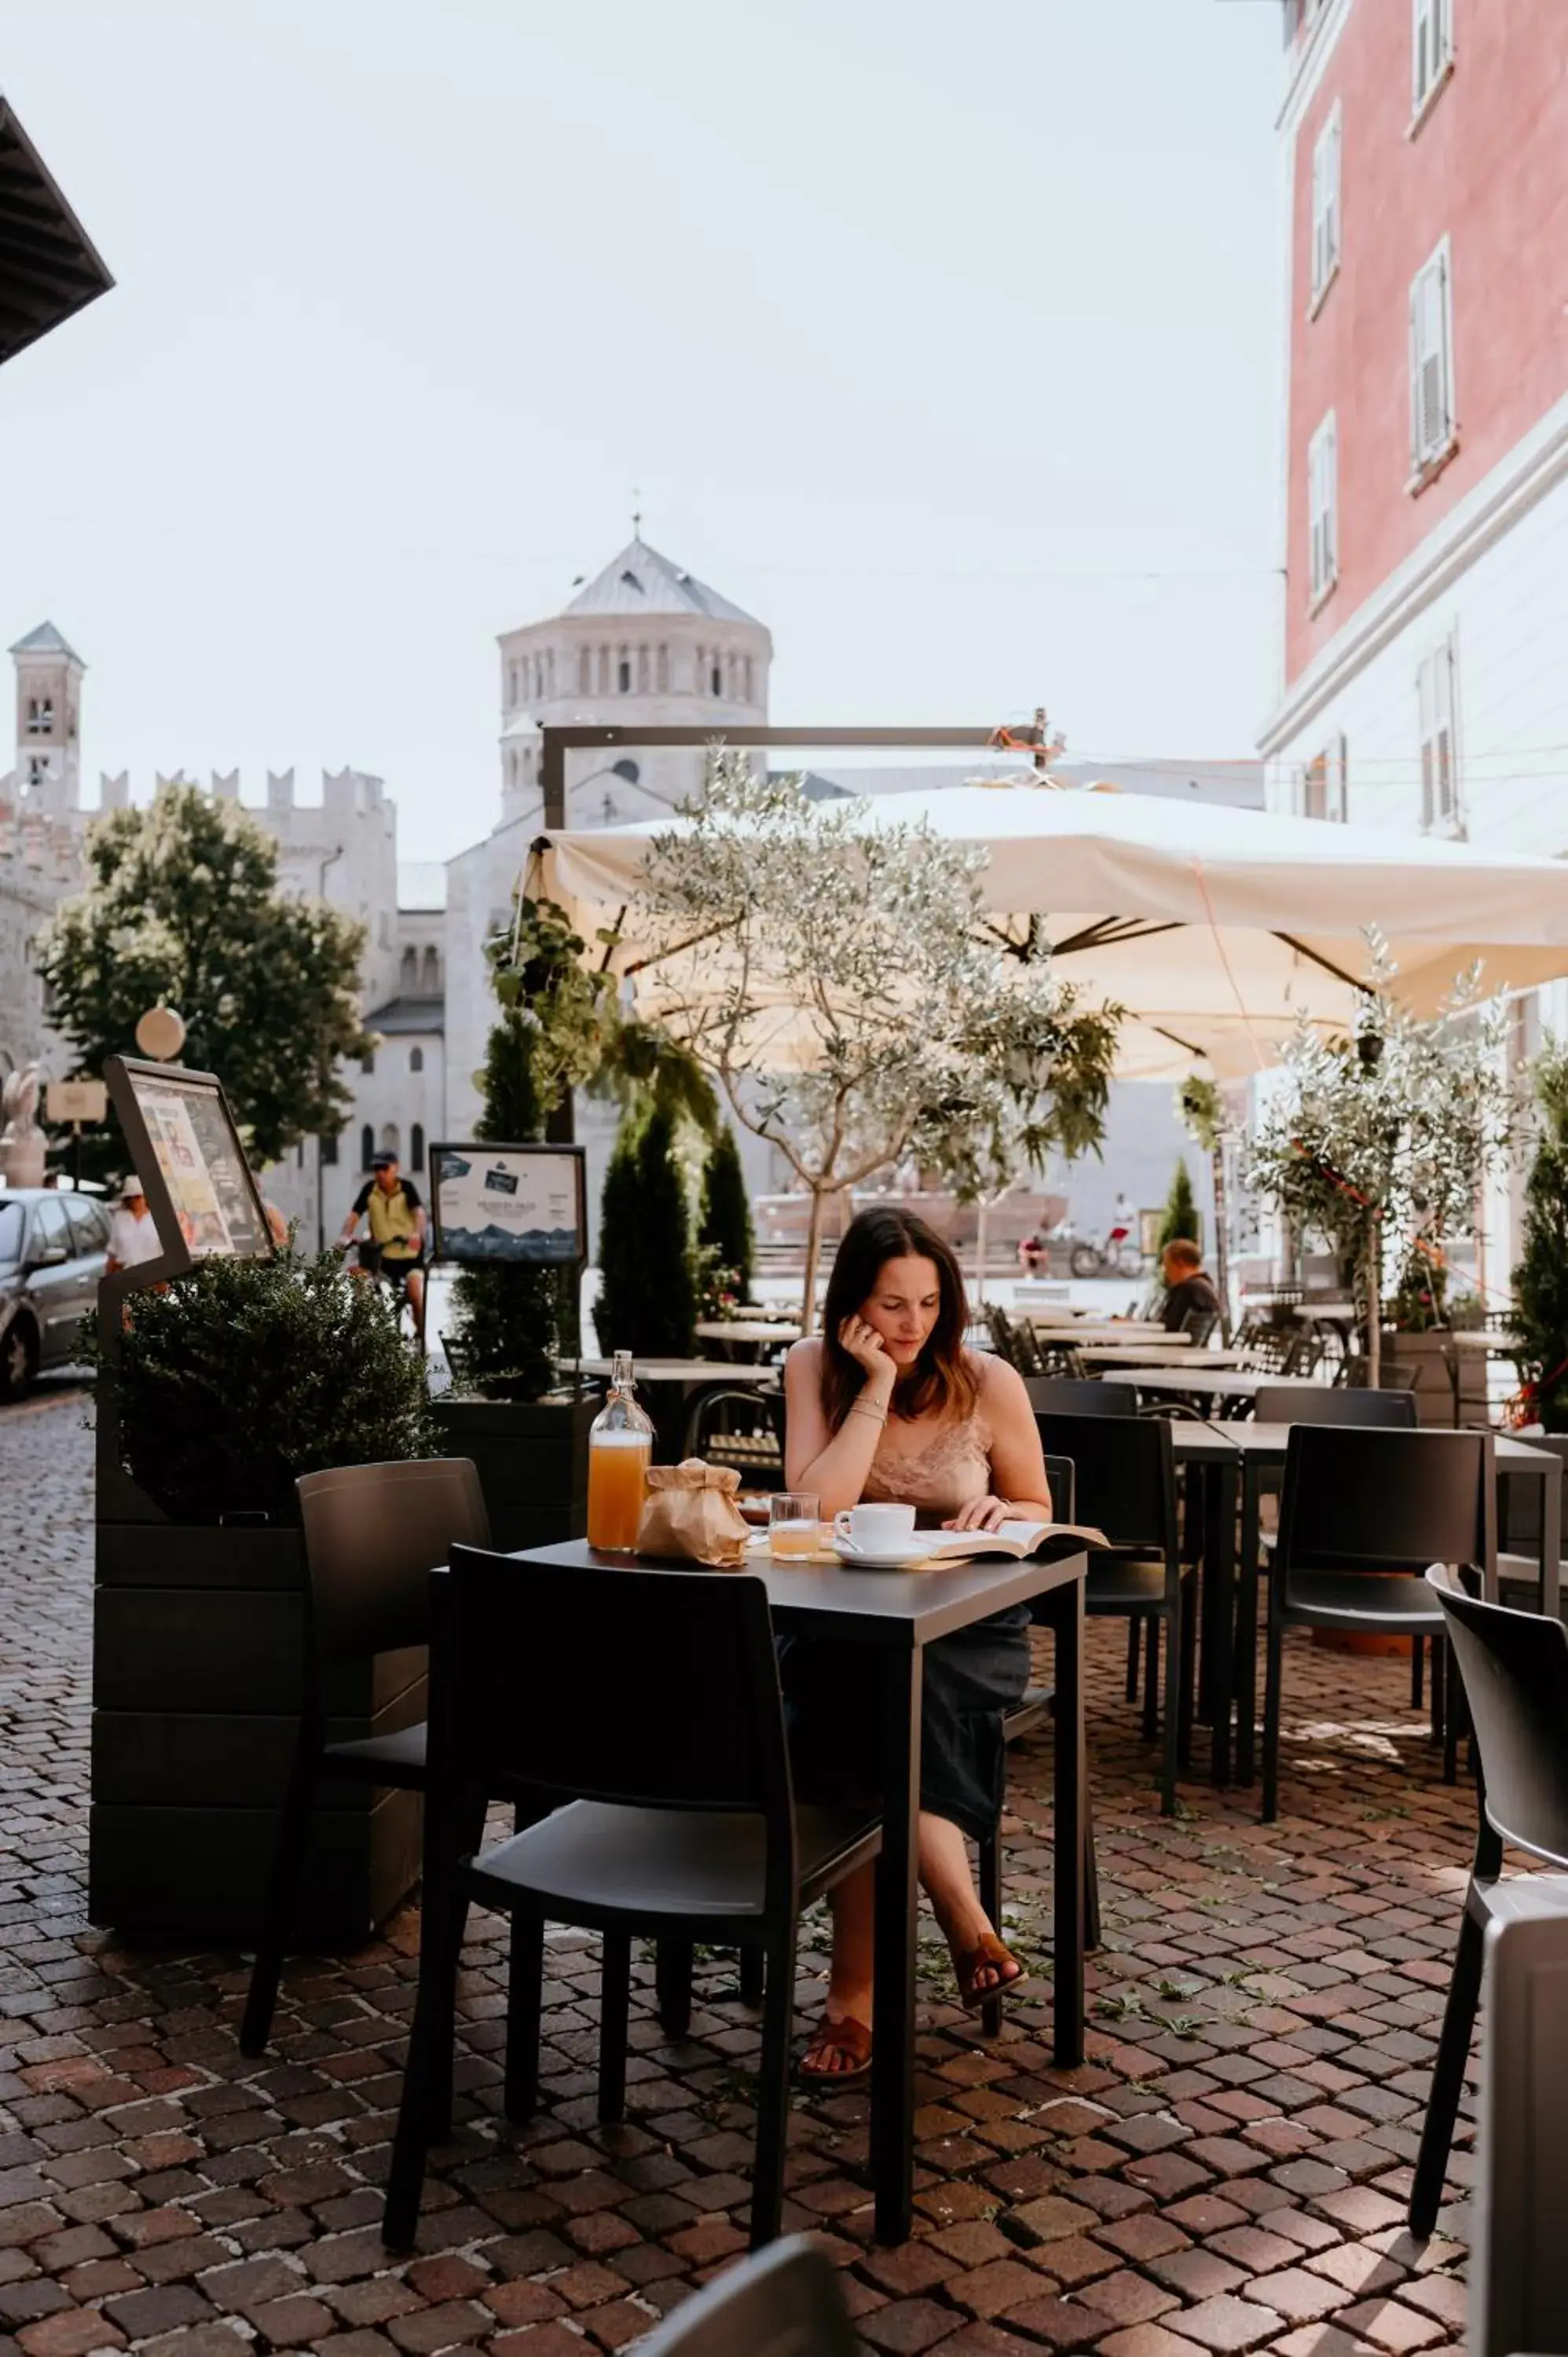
<point x="395" y="1274"/>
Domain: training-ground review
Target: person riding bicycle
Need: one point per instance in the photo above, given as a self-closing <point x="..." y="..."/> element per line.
<point x="396" y="1219"/>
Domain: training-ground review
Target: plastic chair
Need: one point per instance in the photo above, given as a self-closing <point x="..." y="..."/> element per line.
<point x="1515" y="1668"/>
<point x="643" y="1709"/>
<point x="1078" y="1395"/>
<point x="1200" y="1324"/>
<point x="743" y="1427"/>
<point x="373" y="1533"/>
<point x="1364" y="1513"/>
<point x="785" y="2302"/>
<point x="1124" y="1468"/>
<point x="1519" y="2285"/>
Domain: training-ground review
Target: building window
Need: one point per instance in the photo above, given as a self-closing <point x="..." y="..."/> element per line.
<point x="326" y="1149"/>
<point x="416" y="1146"/>
<point x="389" y="1137"/>
<point x="366" y="1146"/>
<point x="642" y="671"/>
<point x="408" y="973"/>
<point x="368" y="1062"/>
<point x="512" y="684"/>
<point x="416" y="1059"/>
<point x="37" y="769"/>
<point x="1431" y="431"/>
<point x="1323" y="508"/>
<point x="663" y="672"/>
<point x="747" y="674"/>
<point x="40" y="716"/>
<point x="1324" y="784"/>
<point x="431" y="974"/>
<point x="584" y="674"/>
<point x="623" y="677"/>
<point x="1325" y="207"/>
<point x="715" y="681"/>
<point x="1431" y="48"/>
<point x="1437" y="704"/>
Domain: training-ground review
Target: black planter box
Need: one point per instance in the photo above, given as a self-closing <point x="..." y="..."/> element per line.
<point x="532" y="1463"/>
<point x="197" y="1650"/>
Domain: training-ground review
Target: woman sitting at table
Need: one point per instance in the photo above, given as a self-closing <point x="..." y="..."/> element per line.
<point x="888" y="1403"/>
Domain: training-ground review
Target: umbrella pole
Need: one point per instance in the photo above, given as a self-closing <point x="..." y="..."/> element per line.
<point x="1374" y="1309"/>
<point x="1222" y="1240"/>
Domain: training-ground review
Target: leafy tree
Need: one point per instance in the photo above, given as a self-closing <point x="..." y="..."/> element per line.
<point x="1180" y="1216"/>
<point x="842" y="979"/>
<point x="513" y="1322"/>
<point x="1541" y="1279"/>
<point x="183" y="909"/>
<point x="1380" y="1145"/>
<point x="647" y="1298"/>
<point x="723" y="1216"/>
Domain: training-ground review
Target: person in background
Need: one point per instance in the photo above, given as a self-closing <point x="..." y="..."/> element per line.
<point x="391" y="1208"/>
<point x="133" y="1238"/>
<point x="1190" y="1285"/>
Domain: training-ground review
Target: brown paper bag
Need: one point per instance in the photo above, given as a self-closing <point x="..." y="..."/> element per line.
<point x="689" y="1513"/>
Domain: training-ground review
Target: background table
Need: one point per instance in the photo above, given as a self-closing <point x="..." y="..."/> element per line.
<point x="1226" y="1382"/>
<point x="1234" y="1452"/>
<point x="675" y="1388"/>
<point x="747" y="1335"/>
<point x="895" y="1615"/>
<point x="1172" y="1352"/>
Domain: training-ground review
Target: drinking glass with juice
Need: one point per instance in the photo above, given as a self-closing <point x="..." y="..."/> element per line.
<point x="620" y="1448"/>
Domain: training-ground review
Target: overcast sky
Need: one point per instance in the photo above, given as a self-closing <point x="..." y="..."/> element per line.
<point x="944" y="339"/>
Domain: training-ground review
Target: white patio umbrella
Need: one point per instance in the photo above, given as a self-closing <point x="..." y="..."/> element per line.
<point x="1215" y="928"/>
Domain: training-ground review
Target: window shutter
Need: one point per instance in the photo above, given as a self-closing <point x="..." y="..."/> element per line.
<point x="1431" y="402"/>
<point x="1426" y="31"/>
<point x="1336" y="135"/>
<point x="1319" y="176"/>
<point x="1424" y="697"/>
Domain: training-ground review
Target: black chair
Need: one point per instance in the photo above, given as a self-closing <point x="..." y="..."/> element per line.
<point x="1364" y="1513"/>
<point x="784" y="2302"/>
<point x="741" y="1426"/>
<point x="643" y="1707"/>
<point x="1515" y="1670"/>
<point x="1390" y="1411"/>
<point x="1124" y="1470"/>
<point x="373" y="1533"/>
<point x="1200" y="1324"/>
<point x="1519" y="1527"/>
<point x="1519" y="2285"/>
<point x="1078" y="1395"/>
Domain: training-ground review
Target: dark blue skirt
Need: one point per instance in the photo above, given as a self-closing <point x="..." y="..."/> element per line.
<point x="970" y="1679"/>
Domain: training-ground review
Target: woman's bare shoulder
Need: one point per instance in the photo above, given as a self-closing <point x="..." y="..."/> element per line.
<point x="805" y="1356"/>
<point x="1001" y="1385"/>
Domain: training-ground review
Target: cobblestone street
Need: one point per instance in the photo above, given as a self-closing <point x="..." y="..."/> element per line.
<point x="1226" y="2172"/>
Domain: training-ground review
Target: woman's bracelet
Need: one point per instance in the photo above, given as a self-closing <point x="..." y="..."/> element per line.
<point x="860" y="1407"/>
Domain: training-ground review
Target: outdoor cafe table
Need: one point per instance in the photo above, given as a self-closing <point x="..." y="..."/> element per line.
<point x="1173" y="1353"/>
<point x="1234" y="1455"/>
<point x="1226" y="1382"/>
<point x="895" y="1615"/>
<point x="747" y="1335"/>
<point x="1124" y="1334"/>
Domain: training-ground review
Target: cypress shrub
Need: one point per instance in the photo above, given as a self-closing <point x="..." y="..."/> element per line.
<point x="647" y="1298"/>
<point x="1180" y="1217"/>
<point x="513" y="1323"/>
<point x="723" y="1217"/>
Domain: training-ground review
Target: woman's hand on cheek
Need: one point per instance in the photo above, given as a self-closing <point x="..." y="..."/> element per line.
<point x="987" y="1514"/>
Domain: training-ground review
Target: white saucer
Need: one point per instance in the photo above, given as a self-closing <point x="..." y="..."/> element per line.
<point x="898" y="1558"/>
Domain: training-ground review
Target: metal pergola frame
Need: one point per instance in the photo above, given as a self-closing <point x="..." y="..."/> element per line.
<point x="1028" y="737"/>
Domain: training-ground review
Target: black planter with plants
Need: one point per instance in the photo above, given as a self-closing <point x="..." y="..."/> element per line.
<point x="222" y="1389"/>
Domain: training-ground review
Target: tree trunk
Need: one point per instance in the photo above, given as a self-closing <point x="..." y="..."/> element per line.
<point x="813" y="1253"/>
<point x="1221" y="1241"/>
<point x="1374" y="1307"/>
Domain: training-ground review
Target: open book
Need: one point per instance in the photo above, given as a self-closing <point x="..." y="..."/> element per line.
<point x="1016" y="1539"/>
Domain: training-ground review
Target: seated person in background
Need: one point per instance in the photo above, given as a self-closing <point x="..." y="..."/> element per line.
<point x="1190" y="1287"/>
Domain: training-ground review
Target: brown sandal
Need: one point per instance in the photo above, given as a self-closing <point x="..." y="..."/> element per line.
<point x="845" y="2036"/>
<point x="969" y="1963"/>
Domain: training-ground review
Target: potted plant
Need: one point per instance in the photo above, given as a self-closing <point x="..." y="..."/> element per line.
<point x="221" y="1387"/>
<point x="510" y="1409"/>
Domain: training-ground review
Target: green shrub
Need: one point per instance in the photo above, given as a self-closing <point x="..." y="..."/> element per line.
<point x="723" y="1216"/>
<point x="241" y="1375"/>
<point x="1541" y="1279"/>
<point x="647" y="1298"/>
<point x="1180" y="1215"/>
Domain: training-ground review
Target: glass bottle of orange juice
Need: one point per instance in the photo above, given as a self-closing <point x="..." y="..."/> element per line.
<point x="620" y="1446"/>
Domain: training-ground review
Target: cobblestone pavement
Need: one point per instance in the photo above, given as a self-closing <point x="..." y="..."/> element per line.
<point x="1227" y="2171"/>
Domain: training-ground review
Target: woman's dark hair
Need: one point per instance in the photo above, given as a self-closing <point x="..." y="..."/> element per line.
<point x="941" y="1377"/>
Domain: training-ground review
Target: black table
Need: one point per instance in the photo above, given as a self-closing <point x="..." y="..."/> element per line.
<point x="1235" y="1455"/>
<point x="896" y="1614"/>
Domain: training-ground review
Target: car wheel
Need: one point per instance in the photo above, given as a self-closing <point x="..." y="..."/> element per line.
<point x="19" y="1359"/>
<point x="1084" y="1261"/>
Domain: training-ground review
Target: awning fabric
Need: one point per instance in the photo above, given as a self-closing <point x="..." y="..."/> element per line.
<point x="1214" y="927"/>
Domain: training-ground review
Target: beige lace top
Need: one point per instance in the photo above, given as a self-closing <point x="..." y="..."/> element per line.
<point x="951" y="1468"/>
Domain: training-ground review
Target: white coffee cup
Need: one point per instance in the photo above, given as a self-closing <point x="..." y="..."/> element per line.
<point x="875" y="1530"/>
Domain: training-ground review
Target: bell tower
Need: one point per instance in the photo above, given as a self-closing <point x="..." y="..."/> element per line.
<point x="48" y="709"/>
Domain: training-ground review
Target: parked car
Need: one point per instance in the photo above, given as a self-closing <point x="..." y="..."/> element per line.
<point x="53" y="1245"/>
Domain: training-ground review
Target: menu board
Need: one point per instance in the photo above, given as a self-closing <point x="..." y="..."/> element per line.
<point x="519" y="1203"/>
<point x="201" y="1162"/>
